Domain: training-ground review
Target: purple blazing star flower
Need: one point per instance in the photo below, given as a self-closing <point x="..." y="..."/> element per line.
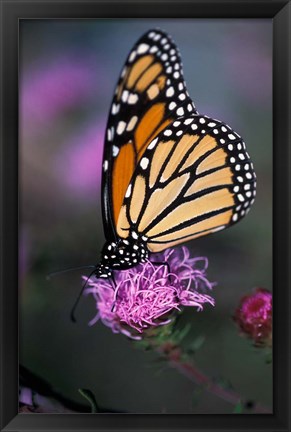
<point x="147" y="295"/>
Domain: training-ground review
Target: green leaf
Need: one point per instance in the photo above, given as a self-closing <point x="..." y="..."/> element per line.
<point x="194" y="346"/>
<point x="238" y="409"/>
<point x="184" y="331"/>
<point x="87" y="394"/>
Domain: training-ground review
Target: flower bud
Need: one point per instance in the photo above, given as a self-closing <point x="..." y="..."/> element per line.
<point x="254" y="316"/>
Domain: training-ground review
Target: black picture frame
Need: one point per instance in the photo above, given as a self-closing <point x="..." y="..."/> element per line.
<point x="11" y="12"/>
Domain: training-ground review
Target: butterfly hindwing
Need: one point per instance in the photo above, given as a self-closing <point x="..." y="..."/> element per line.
<point x="193" y="179"/>
<point x="149" y="96"/>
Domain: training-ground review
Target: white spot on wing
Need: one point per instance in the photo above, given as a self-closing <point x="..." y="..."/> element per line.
<point x="188" y="121"/>
<point x="241" y="197"/>
<point x="115" y="150"/>
<point x="124" y="95"/>
<point x="168" y="132"/>
<point x="120" y="127"/>
<point x="180" y="111"/>
<point x="128" y="191"/>
<point x="142" y="48"/>
<point x="132" y="56"/>
<point x="154" y="48"/>
<point x="170" y="92"/>
<point x="218" y="228"/>
<point x="132" y="99"/>
<point x="109" y="135"/>
<point x="131" y="124"/>
<point x="144" y="163"/>
<point x="115" y="108"/>
<point x="152" y="144"/>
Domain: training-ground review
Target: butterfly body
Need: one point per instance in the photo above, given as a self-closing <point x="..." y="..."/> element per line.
<point x="169" y="174"/>
<point x="121" y="255"/>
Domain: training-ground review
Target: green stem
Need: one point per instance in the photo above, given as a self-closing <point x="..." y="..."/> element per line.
<point x="87" y="394"/>
<point x="191" y="371"/>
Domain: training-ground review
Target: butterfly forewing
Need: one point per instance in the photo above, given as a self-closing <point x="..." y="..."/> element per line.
<point x="193" y="179"/>
<point x="149" y="96"/>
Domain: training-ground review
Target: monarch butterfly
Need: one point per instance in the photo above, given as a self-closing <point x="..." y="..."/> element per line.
<point x="169" y="174"/>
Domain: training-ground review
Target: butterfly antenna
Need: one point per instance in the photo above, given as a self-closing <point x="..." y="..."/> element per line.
<point x="67" y="270"/>
<point x="72" y="315"/>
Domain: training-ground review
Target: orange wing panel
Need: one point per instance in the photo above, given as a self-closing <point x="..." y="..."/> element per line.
<point x="138" y="69"/>
<point x="122" y="171"/>
<point x="149" y="126"/>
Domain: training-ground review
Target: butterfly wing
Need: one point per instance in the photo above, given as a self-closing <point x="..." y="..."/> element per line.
<point x="150" y="94"/>
<point x="194" y="178"/>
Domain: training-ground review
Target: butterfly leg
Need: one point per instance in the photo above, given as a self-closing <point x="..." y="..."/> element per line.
<point x="115" y="285"/>
<point x="72" y="315"/>
<point x="113" y="280"/>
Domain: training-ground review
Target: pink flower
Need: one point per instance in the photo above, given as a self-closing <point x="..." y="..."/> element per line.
<point x="49" y="88"/>
<point x="147" y="295"/>
<point x="81" y="172"/>
<point x="254" y="316"/>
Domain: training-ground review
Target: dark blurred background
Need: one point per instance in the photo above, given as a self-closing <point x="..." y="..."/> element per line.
<point x="68" y="71"/>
